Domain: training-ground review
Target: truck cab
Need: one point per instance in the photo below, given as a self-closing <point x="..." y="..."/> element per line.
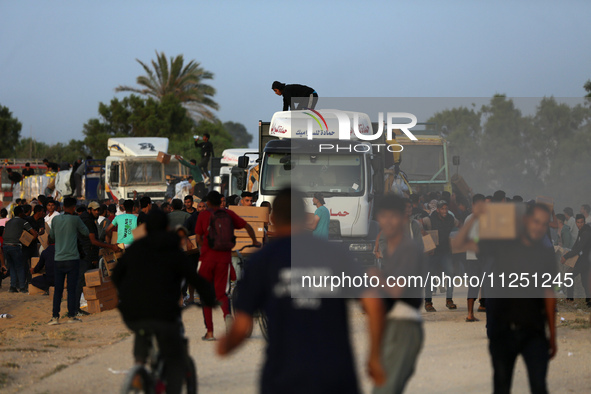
<point x="345" y="174"/>
<point x="133" y="165"/>
<point x="234" y="178"/>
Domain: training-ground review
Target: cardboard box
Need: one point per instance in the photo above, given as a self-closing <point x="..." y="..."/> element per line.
<point x="139" y="232"/>
<point x="163" y="158"/>
<point x="434" y="235"/>
<point x="258" y="227"/>
<point x="501" y="221"/>
<point x="114" y="237"/>
<point x="428" y="243"/>
<point x="241" y="242"/>
<point x="251" y="214"/>
<point x="34" y="262"/>
<point x="103" y="304"/>
<point x="95" y="277"/>
<point x="106" y="290"/>
<point x="456" y="250"/>
<point x="110" y="256"/>
<point x="26" y="238"/>
<point x="44" y="239"/>
<point x="548" y="201"/>
<point x="560" y="251"/>
<point x="35" y="290"/>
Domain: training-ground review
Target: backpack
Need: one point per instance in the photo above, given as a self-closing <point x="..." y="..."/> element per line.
<point x="220" y="235"/>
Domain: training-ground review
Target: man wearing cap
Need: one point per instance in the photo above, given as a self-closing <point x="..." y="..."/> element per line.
<point x="90" y="246"/>
<point x="296" y="96"/>
<point x="321" y="220"/>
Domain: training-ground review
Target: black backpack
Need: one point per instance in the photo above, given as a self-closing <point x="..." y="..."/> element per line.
<point x="220" y="235"/>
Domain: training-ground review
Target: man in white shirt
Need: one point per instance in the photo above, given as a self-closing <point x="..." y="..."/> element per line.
<point x="474" y="267"/>
<point x="585" y="210"/>
<point x="571" y="222"/>
<point x="51" y="211"/>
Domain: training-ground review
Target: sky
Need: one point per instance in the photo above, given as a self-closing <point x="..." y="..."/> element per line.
<point x="59" y="59"/>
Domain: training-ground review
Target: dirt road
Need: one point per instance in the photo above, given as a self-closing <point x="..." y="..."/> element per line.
<point x="91" y="357"/>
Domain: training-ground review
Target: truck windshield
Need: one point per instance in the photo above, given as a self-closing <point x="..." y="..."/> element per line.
<point x="335" y="174"/>
<point x="142" y="173"/>
<point x="422" y="162"/>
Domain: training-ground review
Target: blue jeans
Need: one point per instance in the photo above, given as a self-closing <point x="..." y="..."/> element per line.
<point x="62" y="270"/>
<point x="16" y="262"/>
<point x="440" y="263"/>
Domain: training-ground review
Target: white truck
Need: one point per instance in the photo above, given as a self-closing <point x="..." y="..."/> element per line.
<point x="132" y="165"/>
<point x="348" y="174"/>
<point x="232" y="178"/>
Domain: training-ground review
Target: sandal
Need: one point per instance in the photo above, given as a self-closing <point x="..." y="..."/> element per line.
<point x="429" y="307"/>
<point x="206" y="339"/>
<point x="468" y="320"/>
<point x="449" y="303"/>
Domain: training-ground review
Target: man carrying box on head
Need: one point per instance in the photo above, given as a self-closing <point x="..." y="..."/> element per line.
<point x="215" y="237"/>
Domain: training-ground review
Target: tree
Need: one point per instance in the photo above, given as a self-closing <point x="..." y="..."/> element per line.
<point x="134" y="116"/>
<point x="10" y="131"/>
<point x="186" y="83"/>
<point x="239" y="133"/>
<point x="587" y="88"/>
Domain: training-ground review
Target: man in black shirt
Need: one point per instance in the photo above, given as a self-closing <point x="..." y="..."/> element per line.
<point x="206" y="154"/>
<point x="296" y="96"/>
<point x="149" y="293"/>
<point x="14" y="177"/>
<point x="441" y="261"/>
<point x="581" y="248"/>
<point x="517" y="316"/>
<point x="308" y="349"/>
<point x="145" y="207"/>
<point x="90" y="247"/>
<point x="28" y="171"/>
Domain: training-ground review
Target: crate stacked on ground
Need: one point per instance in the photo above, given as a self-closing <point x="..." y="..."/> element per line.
<point x="100" y="292"/>
<point x="258" y="218"/>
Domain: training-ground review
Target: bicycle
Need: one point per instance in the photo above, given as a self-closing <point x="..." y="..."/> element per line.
<point x="149" y="378"/>
<point x="260" y="316"/>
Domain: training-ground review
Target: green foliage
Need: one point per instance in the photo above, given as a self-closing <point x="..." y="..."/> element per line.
<point x="134" y="116"/>
<point x="543" y="154"/>
<point x="185" y="145"/>
<point x="185" y="82"/>
<point x="239" y="133"/>
<point x="10" y="131"/>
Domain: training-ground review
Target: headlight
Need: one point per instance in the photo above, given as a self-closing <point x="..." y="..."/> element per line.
<point x="360" y="247"/>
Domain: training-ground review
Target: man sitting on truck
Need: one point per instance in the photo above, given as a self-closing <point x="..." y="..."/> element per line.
<point x="296" y="96"/>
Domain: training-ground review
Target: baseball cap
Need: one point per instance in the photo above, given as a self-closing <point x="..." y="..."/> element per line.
<point x="94" y="205"/>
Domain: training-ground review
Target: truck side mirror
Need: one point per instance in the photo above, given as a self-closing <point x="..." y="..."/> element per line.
<point x="243" y="162"/>
<point x="456" y="160"/>
<point x="241" y="180"/>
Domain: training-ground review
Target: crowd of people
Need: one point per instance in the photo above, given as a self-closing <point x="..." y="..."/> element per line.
<point x="313" y="331"/>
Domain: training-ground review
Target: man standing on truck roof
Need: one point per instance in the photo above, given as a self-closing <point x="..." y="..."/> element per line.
<point x="206" y="154"/>
<point x="304" y="96"/>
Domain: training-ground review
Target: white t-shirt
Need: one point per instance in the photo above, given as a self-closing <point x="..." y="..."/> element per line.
<point x="572" y="223"/>
<point x="473" y="235"/>
<point x="49" y="218"/>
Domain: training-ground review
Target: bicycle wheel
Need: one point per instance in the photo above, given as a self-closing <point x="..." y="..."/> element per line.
<point x="191" y="377"/>
<point x="138" y="380"/>
<point x="262" y="319"/>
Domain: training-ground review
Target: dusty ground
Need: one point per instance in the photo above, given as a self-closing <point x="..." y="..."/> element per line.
<point x="93" y="356"/>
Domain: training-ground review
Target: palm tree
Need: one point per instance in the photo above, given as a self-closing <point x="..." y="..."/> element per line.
<point x="185" y="83"/>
